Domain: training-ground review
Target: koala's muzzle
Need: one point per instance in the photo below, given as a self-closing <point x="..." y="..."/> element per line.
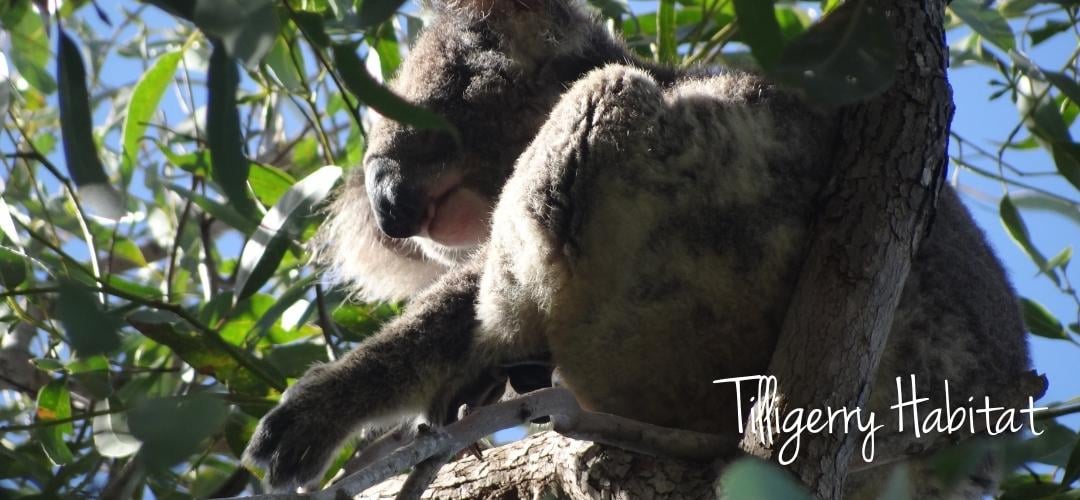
<point x="399" y="206"/>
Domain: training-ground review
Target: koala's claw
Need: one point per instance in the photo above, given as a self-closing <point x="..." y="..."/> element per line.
<point x="293" y="448"/>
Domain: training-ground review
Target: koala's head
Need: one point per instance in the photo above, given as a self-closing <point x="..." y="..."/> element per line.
<point x="493" y="69"/>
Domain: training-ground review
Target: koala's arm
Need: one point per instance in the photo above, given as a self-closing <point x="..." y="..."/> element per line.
<point x="372" y="265"/>
<point x="422" y="364"/>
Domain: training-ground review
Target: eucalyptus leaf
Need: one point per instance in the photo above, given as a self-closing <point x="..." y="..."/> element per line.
<point x="143" y="103"/>
<point x="986" y="22"/>
<point x="1037" y="109"/>
<point x="281" y="67"/>
<point x="13" y="269"/>
<point x="7" y="225"/>
<point x="54" y="403"/>
<point x="230" y="170"/>
<point x="173" y="428"/>
<point x="89" y="329"/>
<point x="760" y="30"/>
<point x="1040" y="321"/>
<point x="246" y="28"/>
<point x="30" y="49"/>
<point x="373" y="12"/>
<point x="282" y="224"/>
<point x="77" y="128"/>
<point x="1014" y="224"/>
<point x="1065" y="83"/>
<point x="1067" y="159"/>
<point x="667" y="47"/>
<point x="224" y="213"/>
<point x="5" y="85"/>
<point x="847" y="57"/>
<point x="381" y="99"/>
<point x="112" y="437"/>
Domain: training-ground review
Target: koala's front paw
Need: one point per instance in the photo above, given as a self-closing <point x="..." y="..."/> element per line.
<point x="295" y="441"/>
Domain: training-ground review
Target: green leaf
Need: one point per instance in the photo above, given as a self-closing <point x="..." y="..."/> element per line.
<point x="29" y="48"/>
<point x="282" y="224"/>
<point x="54" y="403"/>
<point x="89" y="329"/>
<point x="1048" y="30"/>
<point x="246" y="28"/>
<point x="988" y="23"/>
<point x="281" y="68"/>
<point x="752" y="479"/>
<point x="223" y="132"/>
<point x="847" y="57"/>
<point x="112" y="437"/>
<point x="5" y="85"/>
<point x="91" y="373"/>
<point x="1067" y="160"/>
<point x="256" y="318"/>
<point x="381" y="99"/>
<point x="387" y="50"/>
<point x="1065" y="83"/>
<point x="360" y="321"/>
<point x="1014" y="224"/>
<point x="667" y="45"/>
<point x="13" y="269"/>
<point x="269" y="183"/>
<point x="793" y="22"/>
<point x="311" y="24"/>
<point x="224" y="213"/>
<point x="759" y="29"/>
<point x="171" y="429"/>
<point x="265" y="324"/>
<point x="1050" y="447"/>
<point x="373" y="12"/>
<point x="1072" y="468"/>
<point x="141" y="107"/>
<point x="1035" y="201"/>
<point x="76" y="127"/>
<point x="1038" y="110"/>
<point x="1015" y="8"/>
<point x="1060" y="260"/>
<point x="7" y="225"/>
<point x="1042" y="322"/>
<point x="197" y="163"/>
<point x="208" y="354"/>
<point x="128" y="250"/>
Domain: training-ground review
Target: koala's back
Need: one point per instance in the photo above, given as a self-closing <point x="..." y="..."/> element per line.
<point x="671" y="221"/>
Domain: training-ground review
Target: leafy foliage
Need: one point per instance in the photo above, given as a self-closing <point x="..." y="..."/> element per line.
<point x="164" y="163"/>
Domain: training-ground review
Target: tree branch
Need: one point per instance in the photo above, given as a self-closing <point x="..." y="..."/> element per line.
<point x="568" y="419"/>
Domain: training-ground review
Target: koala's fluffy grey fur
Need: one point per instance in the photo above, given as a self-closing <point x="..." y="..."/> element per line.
<point x="647" y="230"/>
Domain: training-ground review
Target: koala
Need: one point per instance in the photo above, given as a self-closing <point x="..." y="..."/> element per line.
<point x="639" y="227"/>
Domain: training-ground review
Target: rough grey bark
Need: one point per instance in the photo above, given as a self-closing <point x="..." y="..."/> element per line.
<point x="890" y="162"/>
<point x="549" y="465"/>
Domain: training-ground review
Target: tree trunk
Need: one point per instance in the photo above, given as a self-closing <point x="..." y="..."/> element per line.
<point x="890" y="163"/>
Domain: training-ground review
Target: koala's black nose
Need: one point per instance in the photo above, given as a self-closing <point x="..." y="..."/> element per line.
<point x="399" y="206"/>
